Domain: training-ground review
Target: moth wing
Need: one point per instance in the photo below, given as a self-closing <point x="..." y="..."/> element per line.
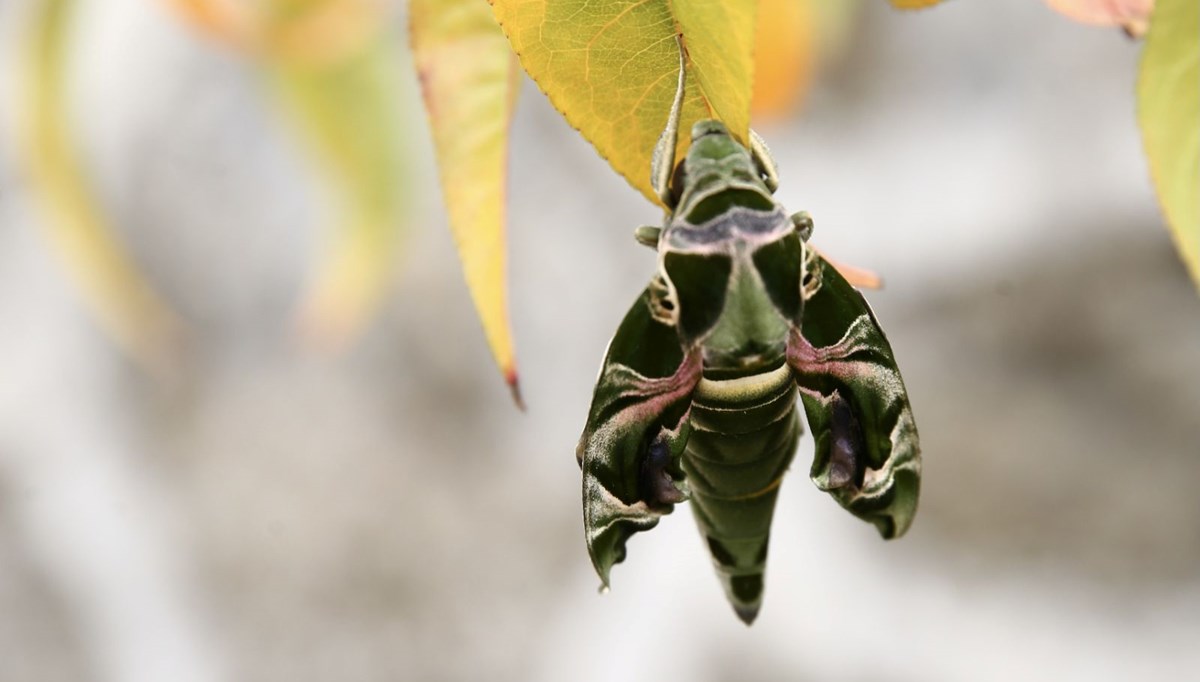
<point x="636" y="431"/>
<point x="867" y="452"/>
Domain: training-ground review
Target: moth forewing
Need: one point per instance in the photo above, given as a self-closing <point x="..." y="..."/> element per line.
<point x="867" y="453"/>
<point x="635" y="434"/>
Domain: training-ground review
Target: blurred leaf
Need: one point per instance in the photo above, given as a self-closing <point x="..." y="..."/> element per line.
<point x="325" y="32"/>
<point x="1132" y="15"/>
<point x="125" y="305"/>
<point x="793" y="40"/>
<point x="784" y="56"/>
<point x="348" y="106"/>
<point x="337" y="72"/>
<point x="834" y="23"/>
<point x="469" y="79"/>
<point x="1168" y="92"/>
<point x="913" y="4"/>
<point x="611" y="67"/>
<point x="859" y="277"/>
<point x="229" y="20"/>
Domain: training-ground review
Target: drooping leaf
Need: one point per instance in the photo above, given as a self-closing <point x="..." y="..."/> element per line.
<point x="1168" y="95"/>
<point x="469" y="79"/>
<point x="1131" y="15"/>
<point x="611" y="68"/>
<point x="124" y="304"/>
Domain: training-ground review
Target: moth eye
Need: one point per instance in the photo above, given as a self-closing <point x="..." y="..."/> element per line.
<point x="678" y="179"/>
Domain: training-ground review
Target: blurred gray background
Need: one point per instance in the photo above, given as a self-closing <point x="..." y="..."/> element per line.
<point x="386" y="514"/>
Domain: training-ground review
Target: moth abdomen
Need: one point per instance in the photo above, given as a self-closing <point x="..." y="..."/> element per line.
<point x="744" y="435"/>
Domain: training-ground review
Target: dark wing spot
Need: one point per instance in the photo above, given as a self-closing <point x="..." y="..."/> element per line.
<point x="846" y="444"/>
<point x="658" y="489"/>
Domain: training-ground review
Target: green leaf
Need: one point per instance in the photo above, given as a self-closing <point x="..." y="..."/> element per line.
<point x="469" y="80"/>
<point x="611" y="68"/>
<point x="1168" y="94"/>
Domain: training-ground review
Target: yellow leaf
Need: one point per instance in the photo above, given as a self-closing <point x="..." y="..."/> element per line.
<point x="913" y="4"/>
<point x="469" y="80"/>
<point x="125" y="305"/>
<point x="348" y="106"/>
<point x="1168" y="92"/>
<point x="784" y="56"/>
<point x="611" y="68"/>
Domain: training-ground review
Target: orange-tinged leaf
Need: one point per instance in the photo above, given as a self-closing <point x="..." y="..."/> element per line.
<point x="611" y="68"/>
<point x="228" y="20"/>
<point x="1132" y="15"/>
<point x="913" y="4"/>
<point x="784" y="56"/>
<point x="320" y="31"/>
<point x="124" y="304"/>
<point x="469" y="80"/>
<point x="1168" y="96"/>
<point x="350" y="112"/>
<point x="856" y="276"/>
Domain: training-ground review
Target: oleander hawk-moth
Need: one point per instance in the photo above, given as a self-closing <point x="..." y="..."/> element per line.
<point x="696" y="395"/>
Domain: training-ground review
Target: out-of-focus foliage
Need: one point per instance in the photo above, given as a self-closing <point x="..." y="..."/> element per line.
<point x="610" y="68"/>
<point x="469" y="79"/>
<point x="348" y="107"/>
<point x="335" y="70"/>
<point x="1131" y="15"/>
<point x="1168" y="94"/>
<point x="784" y="56"/>
<point x="792" y="39"/>
<point x="913" y="4"/>
<point x="124" y="304"/>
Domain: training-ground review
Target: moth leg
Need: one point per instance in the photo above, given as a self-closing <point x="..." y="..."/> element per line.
<point x="803" y="223"/>
<point x="662" y="163"/>
<point x="647" y="235"/>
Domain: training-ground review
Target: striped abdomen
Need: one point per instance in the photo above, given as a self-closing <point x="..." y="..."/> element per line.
<point x="744" y="434"/>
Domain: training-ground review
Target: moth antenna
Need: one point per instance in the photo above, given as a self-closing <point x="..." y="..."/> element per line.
<point x="662" y="164"/>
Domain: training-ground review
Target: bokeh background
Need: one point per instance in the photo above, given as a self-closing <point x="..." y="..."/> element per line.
<point x="273" y="512"/>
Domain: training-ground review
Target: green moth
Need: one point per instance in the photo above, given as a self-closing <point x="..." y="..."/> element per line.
<point x="696" y="398"/>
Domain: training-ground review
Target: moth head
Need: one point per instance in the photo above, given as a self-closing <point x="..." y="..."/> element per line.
<point x="717" y="162"/>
